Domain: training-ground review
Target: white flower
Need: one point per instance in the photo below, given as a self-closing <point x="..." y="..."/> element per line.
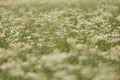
<point x="16" y="72"/>
<point x="71" y="40"/>
<point x="1" y="26"/>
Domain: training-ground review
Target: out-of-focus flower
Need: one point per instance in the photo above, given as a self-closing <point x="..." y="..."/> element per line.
<point x="2" y="53"/>
<point x="71" y="41"/>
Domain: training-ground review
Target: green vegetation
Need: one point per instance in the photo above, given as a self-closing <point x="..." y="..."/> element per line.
<point x="60" y="40"/>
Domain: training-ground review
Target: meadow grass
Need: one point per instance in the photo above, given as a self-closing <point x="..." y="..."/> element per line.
<point x="59" y="40"/>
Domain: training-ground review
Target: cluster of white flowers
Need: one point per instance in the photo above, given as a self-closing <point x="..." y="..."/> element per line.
<point x="60" y="40"/>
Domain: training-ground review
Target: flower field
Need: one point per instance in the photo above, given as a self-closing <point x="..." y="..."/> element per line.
<point x="59" y="39"/>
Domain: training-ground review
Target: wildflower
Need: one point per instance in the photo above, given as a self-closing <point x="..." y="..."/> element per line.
<point x="32" y="75"/>
<point x="80" y="46"/>
<point x="71" y="41"/>
<point x="2" y="53"/>
<point x="0" y="22"/>
<point x="16" y="72"/>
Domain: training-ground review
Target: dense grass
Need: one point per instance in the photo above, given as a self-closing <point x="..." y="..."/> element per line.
<point x="60" y="40"/>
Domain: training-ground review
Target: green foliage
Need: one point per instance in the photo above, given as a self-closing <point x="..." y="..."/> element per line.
<point x="60" y="40"/>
